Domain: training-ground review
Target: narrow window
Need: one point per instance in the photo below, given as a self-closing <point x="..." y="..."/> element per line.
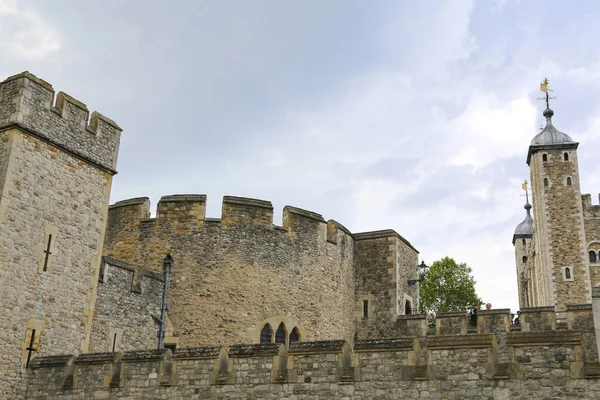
<point x="569" y="183"/>
<point x="266" y="334"/>
<point x="545" y="182"/>
<point x="566" y="156"/>
<point x="407" y="308"/>
<point x="544" y="157"/>
<point x="48" y="253"/>
<point x="593" y="256"/>
<point x="171" y="346"/>
<point x="567" y="273"/>
<point x="524" y="259"/>
<point x="31" y="348"/>
<point x="114" y="343"/>
<point x="295" y="335"/>
<point x="280" y="334"/>
<point x="523" y="241"/>
<point x="365" y="308"/>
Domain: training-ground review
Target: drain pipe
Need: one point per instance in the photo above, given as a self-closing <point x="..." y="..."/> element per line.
<point x="167" y="268"/>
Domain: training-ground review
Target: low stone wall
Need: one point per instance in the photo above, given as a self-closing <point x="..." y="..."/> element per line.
<point x="496" y="362"/>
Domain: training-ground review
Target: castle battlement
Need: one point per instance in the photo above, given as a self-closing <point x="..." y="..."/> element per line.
<point x="27" y="102"/>
<point x="490" y="362"/>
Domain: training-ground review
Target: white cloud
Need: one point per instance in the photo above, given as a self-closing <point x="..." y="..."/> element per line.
<point x="24" y="33"/>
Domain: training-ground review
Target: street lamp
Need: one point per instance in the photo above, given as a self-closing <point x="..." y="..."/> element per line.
<point x="167" y="268"/>
<point x="422" y="271"/>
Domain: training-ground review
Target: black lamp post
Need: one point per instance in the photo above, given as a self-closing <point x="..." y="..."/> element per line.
<point x="422" y="268"/>
<point x="167" y="268"/>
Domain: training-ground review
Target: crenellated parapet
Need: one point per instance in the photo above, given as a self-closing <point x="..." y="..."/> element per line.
<point x="494" y="361"/>
<point x="28" y="103"/>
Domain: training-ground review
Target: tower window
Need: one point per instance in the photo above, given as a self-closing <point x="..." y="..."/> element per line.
<point x="523" y="241"/>
<point x="566" y="156"/>
<point x="545" y="182"/>
<point x="593" y="257"/>
<point x="544" y="157"/>
<point x="569" y="182"/>
<point x="280" y="334"/>
<point x="295" y="335"/>
<point x="524" y="259"/>
<point x="365" y="308"/>
<point x="407" y="308"/>
<point x="568" y="274"/>
<point x="266" y="334"/>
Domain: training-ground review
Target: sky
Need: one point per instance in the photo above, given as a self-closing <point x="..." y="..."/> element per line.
<point x="412" y="116"/>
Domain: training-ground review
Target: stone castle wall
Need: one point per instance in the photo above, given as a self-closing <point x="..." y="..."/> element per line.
<point x="496" y="362"/>
<point x="591" y="219"/>
<point x="233" y="274"/>
<point x="126" y="301"/>
<point x="56" y="175"/>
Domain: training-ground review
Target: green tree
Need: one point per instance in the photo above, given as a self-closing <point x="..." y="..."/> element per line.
<point x="448" y="286"/>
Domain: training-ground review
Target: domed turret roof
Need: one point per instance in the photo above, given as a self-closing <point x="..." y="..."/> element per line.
<point x="525" y="227"/>
<point x="550" y="135"/>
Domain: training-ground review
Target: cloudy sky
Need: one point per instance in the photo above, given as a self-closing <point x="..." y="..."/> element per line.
<point x="414" y="116"/>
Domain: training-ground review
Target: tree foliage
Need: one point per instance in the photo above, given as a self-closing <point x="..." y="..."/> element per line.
<point x="448" y="286"/>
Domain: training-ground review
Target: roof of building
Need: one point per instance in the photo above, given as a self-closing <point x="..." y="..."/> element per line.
<point x="525" y="228"/>
<point x="550" y="135"/>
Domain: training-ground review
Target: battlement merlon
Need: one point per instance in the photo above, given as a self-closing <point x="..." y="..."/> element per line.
<point x="27" y="103"/>
<point x="382" y="234"/>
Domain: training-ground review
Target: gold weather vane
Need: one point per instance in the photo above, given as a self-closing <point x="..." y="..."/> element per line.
<point x="544" y="88"/>
<point x="524" y="187"/>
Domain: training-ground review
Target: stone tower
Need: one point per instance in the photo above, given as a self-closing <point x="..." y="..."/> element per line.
<point x="56" y="172"/>
<point x="559" y="249"/>
<point x="522" y="242"/>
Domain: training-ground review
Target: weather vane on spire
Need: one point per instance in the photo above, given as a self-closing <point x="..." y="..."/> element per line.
<point x="524" y="187"/>
<point x="544" y="88"/>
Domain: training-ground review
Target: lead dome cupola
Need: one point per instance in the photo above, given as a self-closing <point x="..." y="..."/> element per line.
<point x="550" y="135"/>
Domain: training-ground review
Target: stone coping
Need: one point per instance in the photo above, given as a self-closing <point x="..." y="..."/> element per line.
<point x="452" y="314"/>
<point x="411" y="316"/>
<point x="382" y="234"/>
<point x="249" y="350"/>
<point x="30" y="76"/>
<point x="322" y="347"/>
<point x="543" y="338"/>
<point x="145" y="272"/>
<point x="395" y="344"/>
<point x="340" y="226"/>
<point x="97" y="358"/>
<point x="145" y="355"/>
<point x="51" y="361"/>
<point x="476" y="340"/>
<point x="184" y="198"/>
<point x="579" y="307"/>
<point x="503" y="311"/>
<point x="130" y="202"/>
<point x="245" y="201"/>
<point x="304" y="213"/>
<point x="197" y="352"/>
<point x="536" y="309"/>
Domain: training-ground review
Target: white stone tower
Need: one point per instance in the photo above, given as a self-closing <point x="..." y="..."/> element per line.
<point x="559" y="251"/>
<point x="522" y="242"/>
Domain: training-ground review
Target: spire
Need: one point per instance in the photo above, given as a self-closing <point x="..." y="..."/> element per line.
<point x="549" y="135"/>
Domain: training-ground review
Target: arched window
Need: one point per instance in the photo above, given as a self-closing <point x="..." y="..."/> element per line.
<point x="545" y="182"/>
<point x="266" y="334"/>
<point x="407" y="308"/>
<point x="569" y="182"/>
<point x="593" y="258"/>
<point x="524" y="259"/>
<point x="523" y="241"/>
<point x="280" y="334"/>
<point x="544" y="157"/>
<point x="567" y="273"/>
<point x="566" y="156"/>
<point x="294" y="336"/>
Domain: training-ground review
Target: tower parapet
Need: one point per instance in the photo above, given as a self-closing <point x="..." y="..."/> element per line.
<point x="27" y="102"/>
